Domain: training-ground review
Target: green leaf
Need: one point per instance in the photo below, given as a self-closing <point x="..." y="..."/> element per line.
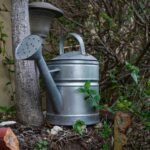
<point x="3" y="109"/>
<point x="105" y="147"/>
<point x="147" y="92"/>
<point x="106" y="17"/>
<point x="8" y="61"/>
<point x="148" y="83"/>
<point x="135" y="77"/>
<point x="87" y="85"/>
<point x="11" y="109"/>
<point x="79" y="127"/>
<point x="147" y="124"/>
<point x="94" y="104"/>
<point x="106" y="131"/>
<point x="133" y="70"/>
<point x="130" y="12"/>
<point x="97" y="98"/>
<point x="87" y="97"/>
<point x="91" y="95"/>
<point x="41" y="145"/>
<point x="82" y="90"/>
<point x="93" y="92"/>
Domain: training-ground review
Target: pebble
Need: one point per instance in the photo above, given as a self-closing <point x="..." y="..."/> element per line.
<point x="7" y="123"/>
<point x="55" y="130"/>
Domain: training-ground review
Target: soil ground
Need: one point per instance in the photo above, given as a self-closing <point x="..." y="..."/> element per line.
<point x="138" y="138"/>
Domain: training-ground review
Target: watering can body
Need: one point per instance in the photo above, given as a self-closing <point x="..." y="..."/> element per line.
<point x="73" y="70"/>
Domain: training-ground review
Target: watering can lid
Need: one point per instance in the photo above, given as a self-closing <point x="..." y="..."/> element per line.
<point x="75" y="55"/>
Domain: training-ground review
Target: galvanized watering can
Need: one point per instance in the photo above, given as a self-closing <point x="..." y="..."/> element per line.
<point x="64" y="76"/>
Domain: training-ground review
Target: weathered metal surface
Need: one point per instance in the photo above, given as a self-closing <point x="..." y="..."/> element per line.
<point x="43" y="6"/>
<point x="41" y="17"/>
<point x="69" y="71"/>
<point x="30" y="48"/>
<point x="76" y="67"/>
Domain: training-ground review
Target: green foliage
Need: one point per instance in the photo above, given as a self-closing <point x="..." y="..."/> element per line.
<point x="123" y="104"/>
<point x="134" y="71"/>
<point x="108" y="20"/>
<point x="106" y="131"/>
<point x="91" y="95"/>
<point x="145" y="117"/>
<point x="148" y="83"/>
<point x="7" y="61"/>
<point x="41" y="145"/>
<point x="130" y="12"/>
<point x="112" y="75"/>
<point x="147" y="88"/>
<point x="79" y="127"/>
<point x="105" y="147"/>
<point x="5" y="109"/>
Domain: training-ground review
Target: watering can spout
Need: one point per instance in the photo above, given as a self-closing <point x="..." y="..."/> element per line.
<point x="31" y="48"/>
<point x="52" y="90"/>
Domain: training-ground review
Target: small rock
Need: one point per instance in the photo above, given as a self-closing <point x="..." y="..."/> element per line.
<point x="99" y="125"/>
<point x="55" y="130"/>
<point x="6" y="123"/>
<point x="89" y="140"/>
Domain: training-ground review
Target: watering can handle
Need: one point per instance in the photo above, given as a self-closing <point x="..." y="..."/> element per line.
<point x="77" y="37"/>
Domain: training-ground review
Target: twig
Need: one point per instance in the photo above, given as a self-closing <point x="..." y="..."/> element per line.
<point x="107" y="6"/>
<point x="143" y="53"/>
<point x="136" y="12"/>
<point x="75" y="46"/>
<point x="74" y="22"/>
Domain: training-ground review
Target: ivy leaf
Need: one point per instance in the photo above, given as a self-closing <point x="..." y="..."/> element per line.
<point x="8" y="61"/>
<point x="87" y="85"/>
<point x="94" y="104"/>
<point x="97" y="98"/>
<point x="91" y="91"/>
<point x="79" y="127"/>
<point x="82" y="90"/>
<point x="87" y="97"/>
